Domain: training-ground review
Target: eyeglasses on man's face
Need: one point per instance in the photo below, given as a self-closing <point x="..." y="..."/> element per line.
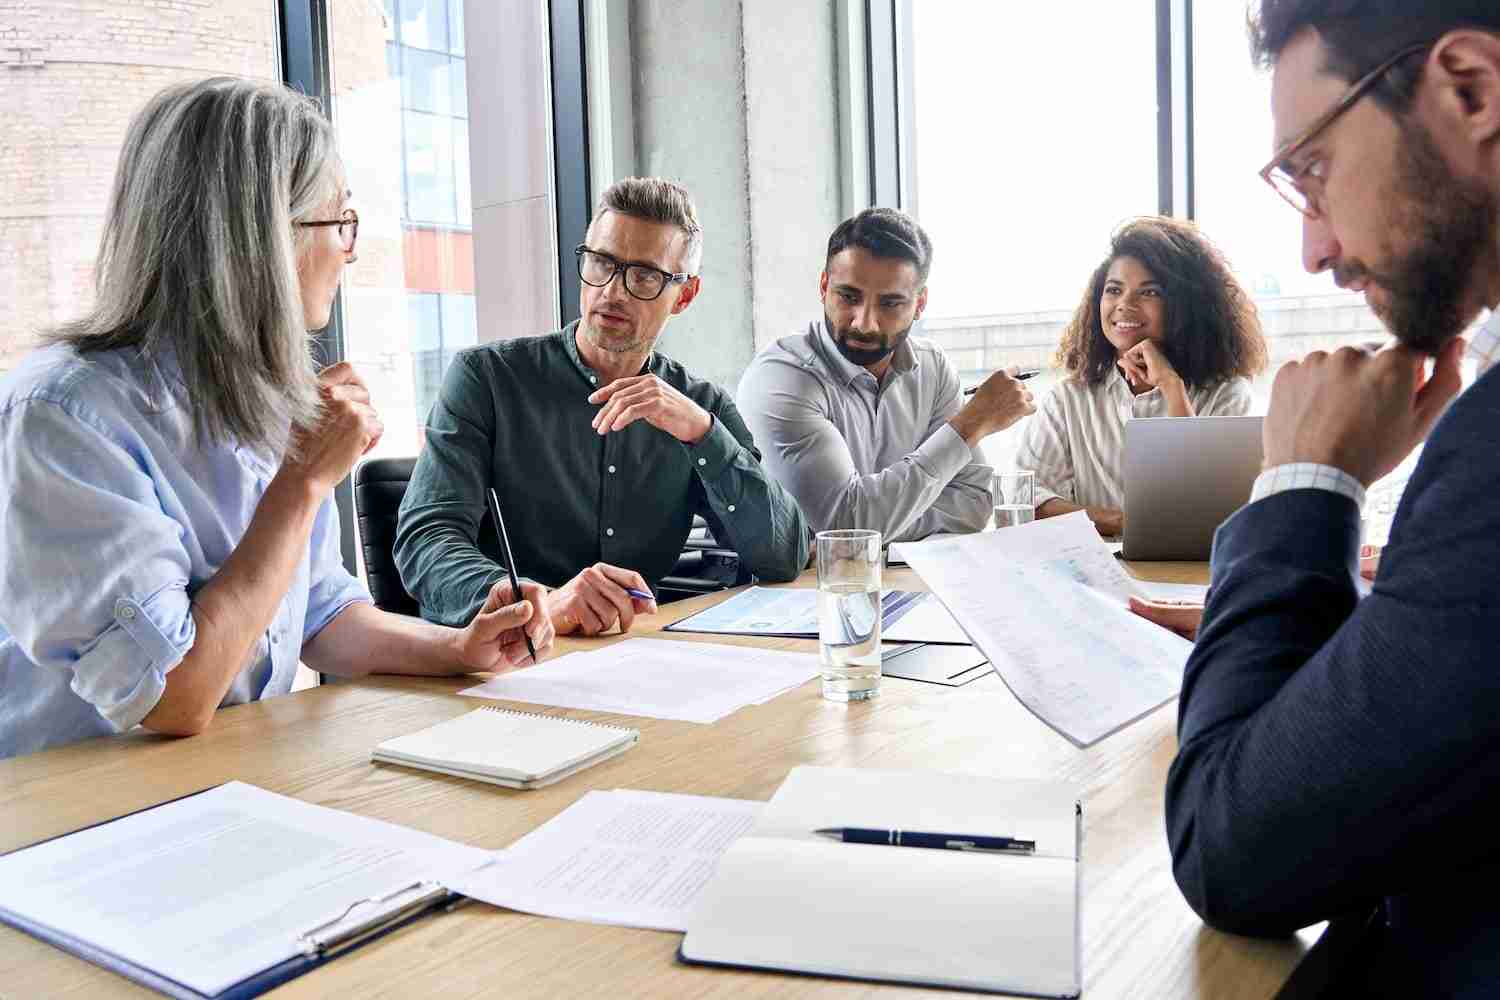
<point x="348" y="224"/>
<point x="642" y="281"/>
<point x="1302" y="186"/>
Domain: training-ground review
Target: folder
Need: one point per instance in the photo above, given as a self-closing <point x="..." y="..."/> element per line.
<point x="247" y="890"/>
<point x="783" y="898"/>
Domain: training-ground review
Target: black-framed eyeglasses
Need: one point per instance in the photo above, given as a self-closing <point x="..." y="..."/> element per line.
<point x="642" y="281"/>
<point x="1288" y="182"/>
<point x="348" y="224"/>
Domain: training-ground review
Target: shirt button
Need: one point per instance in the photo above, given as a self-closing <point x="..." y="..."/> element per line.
<point x="127" y="613"/>
<point x="611" y="470"/>
<point x="610" y="532"/>
<point x="731" y="508"/>
<point x="702" y="461"/>
<point x="594" y="379"/>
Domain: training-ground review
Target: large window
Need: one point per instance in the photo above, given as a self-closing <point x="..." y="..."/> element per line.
<point x="1036" y="135"/>
<point x="401" y="107"/>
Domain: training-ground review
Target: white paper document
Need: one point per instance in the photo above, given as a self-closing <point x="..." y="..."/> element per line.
<point x="624" y="857"/>
<point x="211" y="889"/>
<point x="1046" y="602"/>
<point x="1186" y="593"/>
<point x="657" y="678"/>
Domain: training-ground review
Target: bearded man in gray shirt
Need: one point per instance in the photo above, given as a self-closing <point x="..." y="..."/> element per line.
<point x="863" y="424"/>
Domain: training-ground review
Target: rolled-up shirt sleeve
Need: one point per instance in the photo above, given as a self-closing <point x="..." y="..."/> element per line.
<point x="332" y="587"/>
<point x="1044" y="450"/>
<point x="93" y="572"/>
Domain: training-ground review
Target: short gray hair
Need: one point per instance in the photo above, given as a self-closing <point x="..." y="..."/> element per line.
<point x="656" y="199"/>
<point x="198" y="259"/>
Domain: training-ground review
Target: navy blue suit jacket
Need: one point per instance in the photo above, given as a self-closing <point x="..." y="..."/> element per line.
<point x="1339" y="757"/>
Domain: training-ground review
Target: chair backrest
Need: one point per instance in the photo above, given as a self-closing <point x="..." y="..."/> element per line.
<point x="379" y="485"/>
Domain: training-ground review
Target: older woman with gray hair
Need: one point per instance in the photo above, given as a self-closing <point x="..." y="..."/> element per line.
<point x="168" y="542"/>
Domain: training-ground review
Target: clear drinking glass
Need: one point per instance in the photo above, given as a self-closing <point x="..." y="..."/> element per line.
<point x="1015" y="497"/>
<point x="849" y="614"/>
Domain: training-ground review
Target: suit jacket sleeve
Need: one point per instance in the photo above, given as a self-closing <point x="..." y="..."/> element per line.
<point x="1335" y="751"/>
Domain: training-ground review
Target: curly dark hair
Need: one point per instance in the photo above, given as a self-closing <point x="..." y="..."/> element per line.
<point x="1212" y="327"/>
<point x="1358" y="34"/>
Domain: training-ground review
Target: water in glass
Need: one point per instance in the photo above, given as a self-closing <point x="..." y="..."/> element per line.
<point x="1008" y="515"/>
<point x="849" y="641"/>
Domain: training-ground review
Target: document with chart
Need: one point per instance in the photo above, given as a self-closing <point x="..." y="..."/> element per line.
<point x="1046" y="602"/>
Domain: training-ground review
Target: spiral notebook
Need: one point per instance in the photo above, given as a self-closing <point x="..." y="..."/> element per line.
<point x="505" y="747"/>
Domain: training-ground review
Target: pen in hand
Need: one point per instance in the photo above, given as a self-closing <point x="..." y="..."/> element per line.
<point x="937" y="841"/>
<point x="1020" y="376"/>
<point x="510" y="563"/>
<point x="640" y="595"/>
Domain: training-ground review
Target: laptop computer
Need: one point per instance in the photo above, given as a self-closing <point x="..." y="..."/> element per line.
<point x="1183" y="478"/>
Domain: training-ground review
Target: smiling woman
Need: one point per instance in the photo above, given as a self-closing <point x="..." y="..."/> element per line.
<point x="1164" y="330"/>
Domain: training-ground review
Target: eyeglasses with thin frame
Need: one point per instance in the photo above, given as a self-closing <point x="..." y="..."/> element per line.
<point x="642" y="281"/>
<point x="1289" y="182"/>
<point x="348" y="225"/>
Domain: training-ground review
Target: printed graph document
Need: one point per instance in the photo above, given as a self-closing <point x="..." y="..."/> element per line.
<point x="926" y="621"/>
<point x="200" y="895"/>
<point x="624" y="857"/>
<point x="1046" y="602"/>
<point x="788" y="613"/>
<point x="657" y="678"/>
<point x="785" y="898"/>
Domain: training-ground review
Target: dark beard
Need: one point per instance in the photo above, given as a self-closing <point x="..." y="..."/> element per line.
<point x="864" y="357"/>
<point x="1451" y="222"/>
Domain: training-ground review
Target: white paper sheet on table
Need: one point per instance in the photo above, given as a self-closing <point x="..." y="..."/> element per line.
<point x="1046" y="602"/>
<point x="657" y="678"/>
<point x="1191" y="593"/>
<point x="623" y="857"/>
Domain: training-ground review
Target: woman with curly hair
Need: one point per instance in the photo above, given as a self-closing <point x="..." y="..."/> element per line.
<point x="1164" y="330"/>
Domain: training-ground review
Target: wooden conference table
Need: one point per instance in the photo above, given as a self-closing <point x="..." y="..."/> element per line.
<point x="1139" y="938"/>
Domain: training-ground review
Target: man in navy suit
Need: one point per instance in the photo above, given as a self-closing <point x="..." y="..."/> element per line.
<point x="1340" y="759"/>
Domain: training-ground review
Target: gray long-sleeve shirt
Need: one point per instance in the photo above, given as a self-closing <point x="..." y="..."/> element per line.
<point x="861" y="454"/>
<point x="515" y="415"/>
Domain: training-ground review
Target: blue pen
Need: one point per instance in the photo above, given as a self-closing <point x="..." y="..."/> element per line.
<point x="642" y="595"/>
<point x="937" y="841"/>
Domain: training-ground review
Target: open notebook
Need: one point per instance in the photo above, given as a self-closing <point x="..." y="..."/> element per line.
<point x="504" y="747"/>
<point x="785" y="898"/>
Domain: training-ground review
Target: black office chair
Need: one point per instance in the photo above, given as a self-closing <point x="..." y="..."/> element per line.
<point x="379" y="485"/>
<point x="704" y="567"/>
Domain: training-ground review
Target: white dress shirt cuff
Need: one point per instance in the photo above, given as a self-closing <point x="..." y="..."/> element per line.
<point x="1307" y="476"/>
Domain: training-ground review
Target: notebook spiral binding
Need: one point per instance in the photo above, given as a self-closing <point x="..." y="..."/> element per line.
<point x="554" y="718"/>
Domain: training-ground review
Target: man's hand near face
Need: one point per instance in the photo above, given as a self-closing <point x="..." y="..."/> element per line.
<point x="999" y="402"/>
<point x="594" y="601"/>
<point x="1358" y="411"/>
<point x="648" y="398"/>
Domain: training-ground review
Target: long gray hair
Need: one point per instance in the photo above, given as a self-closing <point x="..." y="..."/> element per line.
<point x="199" y="255"/>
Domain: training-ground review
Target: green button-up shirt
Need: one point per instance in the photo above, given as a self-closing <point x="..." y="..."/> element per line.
<point x="515" y="415"/>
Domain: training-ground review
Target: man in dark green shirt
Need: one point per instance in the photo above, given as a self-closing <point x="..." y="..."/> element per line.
<point x="601" y="450"/>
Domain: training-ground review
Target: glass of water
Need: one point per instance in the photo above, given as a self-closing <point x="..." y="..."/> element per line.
<point x="1015" y="497"/>
<point x="849" y="614"/>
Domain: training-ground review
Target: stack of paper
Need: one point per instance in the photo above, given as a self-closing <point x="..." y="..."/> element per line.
<point x="1046" y="602"/>
<point x="622" y="857"/>
<point x="658" y="679"/>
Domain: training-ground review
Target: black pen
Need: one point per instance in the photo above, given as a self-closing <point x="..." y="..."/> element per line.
<point x="937" y="841"/>
<point x="510" y="564"/>
<point x="1020" y="376"/>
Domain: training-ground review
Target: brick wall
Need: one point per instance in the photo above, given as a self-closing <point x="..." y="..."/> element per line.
<point x="72" y="73"/>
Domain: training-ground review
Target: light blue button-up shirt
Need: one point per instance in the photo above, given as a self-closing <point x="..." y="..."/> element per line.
<point x="111" y="518"/>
